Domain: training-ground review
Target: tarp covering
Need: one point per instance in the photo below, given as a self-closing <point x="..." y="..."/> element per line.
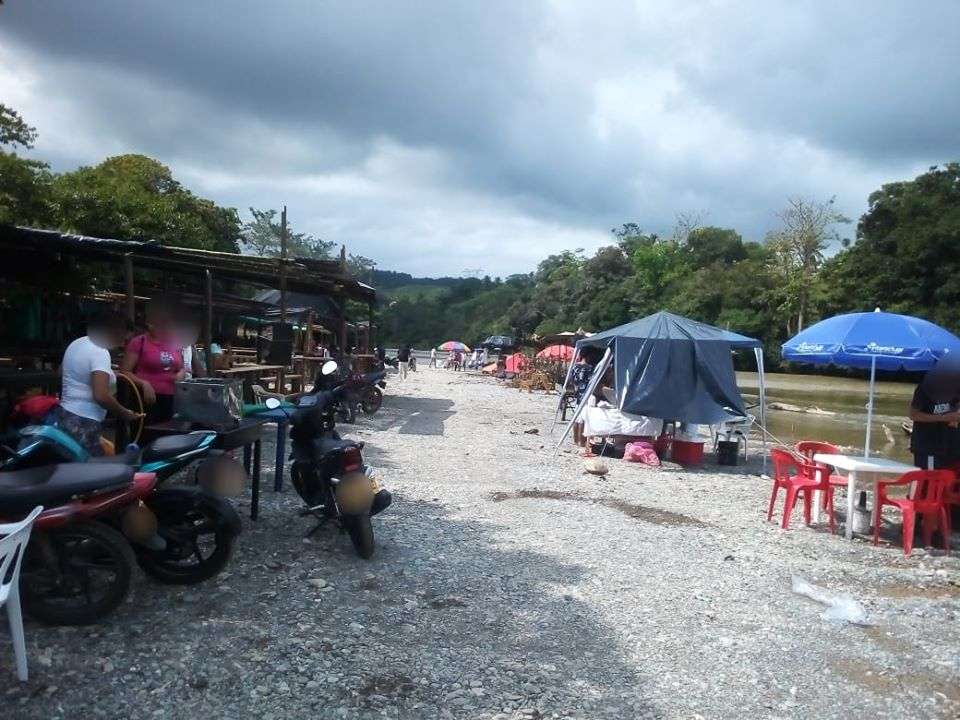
<point x="669" y="367"/>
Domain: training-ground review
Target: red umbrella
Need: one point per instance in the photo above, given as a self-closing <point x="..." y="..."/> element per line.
<point x="557" y="352"/>
<point x="516" y="362"/>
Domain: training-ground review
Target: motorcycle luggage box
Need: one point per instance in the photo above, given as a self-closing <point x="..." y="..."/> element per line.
<point x="210" y="402"/>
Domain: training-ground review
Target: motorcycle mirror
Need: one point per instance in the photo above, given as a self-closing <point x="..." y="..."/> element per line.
<point x="329" y="367"/>
<point x="272" y="403"/>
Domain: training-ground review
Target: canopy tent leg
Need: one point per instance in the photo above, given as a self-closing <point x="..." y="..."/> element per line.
<point x="873" y="377"/>
<point x="566" y="380"/>
<point x="594" y="381"/>
<point x="758" y="354"/>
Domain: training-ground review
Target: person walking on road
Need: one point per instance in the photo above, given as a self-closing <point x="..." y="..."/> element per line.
<point x="433" y="358"/>
<point x="403" y="360"/>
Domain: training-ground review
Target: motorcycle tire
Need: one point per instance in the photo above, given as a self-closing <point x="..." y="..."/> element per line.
<point x="371" y="401"/>
<point x="187" y="517"/>
<point x="347" y="411"/>
<point x="102" y="548"/>
<point x="360" y="530"/>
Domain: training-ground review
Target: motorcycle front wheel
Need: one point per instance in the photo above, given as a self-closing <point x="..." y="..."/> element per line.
<point x="371" y="401"/>
<point x="360" y="530"/>
<point x="198" y="530"/>
<point x="74" y="575"/>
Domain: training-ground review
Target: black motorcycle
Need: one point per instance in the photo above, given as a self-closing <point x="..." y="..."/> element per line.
<point x="327" y="471"/>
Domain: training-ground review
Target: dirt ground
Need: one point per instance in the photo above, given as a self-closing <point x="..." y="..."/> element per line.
<point x="509" y="584"/>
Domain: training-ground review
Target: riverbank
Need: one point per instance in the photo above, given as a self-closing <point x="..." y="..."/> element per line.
<point x="509" y="584"/>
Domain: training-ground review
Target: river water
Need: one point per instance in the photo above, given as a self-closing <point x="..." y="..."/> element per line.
<point x="844" y="397"/>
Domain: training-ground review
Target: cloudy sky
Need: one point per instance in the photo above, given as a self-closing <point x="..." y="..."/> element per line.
<point x="445" y="136"/>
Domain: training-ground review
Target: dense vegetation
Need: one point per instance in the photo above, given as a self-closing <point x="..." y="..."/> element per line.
<point x="905" y="256"/>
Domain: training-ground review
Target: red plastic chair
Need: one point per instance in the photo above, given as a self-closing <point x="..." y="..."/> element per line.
<point x="927" y="501"/>
<point x="793" y="483"/>
<point x="829" y="480"/>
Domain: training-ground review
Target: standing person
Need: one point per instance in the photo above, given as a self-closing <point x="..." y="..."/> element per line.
<point x="89" y="383"/>
<point x="433" y="357"/>
<point x="156" y="359"/>
<point x="935" y="411"/>
<point x="580" y="380"/>
<point x="403" y="360"/>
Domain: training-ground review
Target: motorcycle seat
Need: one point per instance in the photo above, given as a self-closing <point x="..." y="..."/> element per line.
<point x="52" y="485"/>
<point x="172" y="445"/>
<point x="328" y="446"/>
<point x="128" y="457"/>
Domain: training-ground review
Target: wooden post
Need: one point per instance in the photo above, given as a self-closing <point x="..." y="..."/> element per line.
<point x="370" y="335"/>
<point x="308" y="335"/>
<point x="283" y="265"/>
<point x="128" y="280"/>
<point x="208" y="319"/>
<point x="343" y="326"/>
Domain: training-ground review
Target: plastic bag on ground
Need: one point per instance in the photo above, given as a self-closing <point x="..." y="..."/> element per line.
<point x="642" y="452"/>
<point x="841" y="607"/>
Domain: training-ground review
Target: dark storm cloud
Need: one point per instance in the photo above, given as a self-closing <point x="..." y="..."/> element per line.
<point x="393" y="125"/>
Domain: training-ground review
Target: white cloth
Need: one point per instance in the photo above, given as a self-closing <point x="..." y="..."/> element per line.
<point x="81" y="358"/>
<point x="604" y="421"/>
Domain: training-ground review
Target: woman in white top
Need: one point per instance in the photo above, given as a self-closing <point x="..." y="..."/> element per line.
<point x="89" y="383"/>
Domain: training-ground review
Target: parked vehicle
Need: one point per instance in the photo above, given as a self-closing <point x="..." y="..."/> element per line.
<point x="196" y="528"/>
<point x="78" y="565"/>
<point x="328" y="472"/>
<point x="365" y="392"/>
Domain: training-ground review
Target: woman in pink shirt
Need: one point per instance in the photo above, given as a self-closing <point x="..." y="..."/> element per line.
<point x="156" y="359"/>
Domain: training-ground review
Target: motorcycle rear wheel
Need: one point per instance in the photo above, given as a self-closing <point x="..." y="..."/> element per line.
<point x="83" y="551"/>
<point x="371" y="401"/>
<point x="360" y="530"/>
<point x="199" y="538"/>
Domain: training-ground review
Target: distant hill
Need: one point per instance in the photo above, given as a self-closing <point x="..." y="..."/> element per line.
<point x="389" y="280"/>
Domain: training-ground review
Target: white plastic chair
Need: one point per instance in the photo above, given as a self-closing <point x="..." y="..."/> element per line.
<point x="738" y="430"/>
<point x="13" y="543"/>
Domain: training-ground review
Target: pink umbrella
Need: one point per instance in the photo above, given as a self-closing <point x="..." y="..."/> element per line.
<point x="454" y="345"/>
<point x="516" y="362"/>
<point x="557" y="352"/>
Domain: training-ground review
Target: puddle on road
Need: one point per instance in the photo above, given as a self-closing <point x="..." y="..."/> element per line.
<point x="656" y="516"/>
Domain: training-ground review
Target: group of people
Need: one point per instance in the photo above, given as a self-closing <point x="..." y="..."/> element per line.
<point x="458" y="360"/>
<point x="152" y="363"/>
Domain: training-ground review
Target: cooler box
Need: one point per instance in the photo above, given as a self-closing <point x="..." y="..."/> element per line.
<point x="687" y="452"/>
<point x="211" y="402"/>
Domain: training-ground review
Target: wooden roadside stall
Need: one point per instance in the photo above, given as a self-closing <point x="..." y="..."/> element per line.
<point x="49" y="279"/>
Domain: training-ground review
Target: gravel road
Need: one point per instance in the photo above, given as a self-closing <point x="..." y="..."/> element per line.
<point x="509" y="584"/>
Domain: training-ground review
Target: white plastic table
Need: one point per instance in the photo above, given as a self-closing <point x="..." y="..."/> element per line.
<point x="856" y="466"/>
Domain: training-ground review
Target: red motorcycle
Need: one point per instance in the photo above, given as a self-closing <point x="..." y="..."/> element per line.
<point x="78" y="565"/>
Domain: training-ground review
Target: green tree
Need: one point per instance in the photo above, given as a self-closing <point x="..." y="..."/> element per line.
<point x="135" y="197"/>
<point x="24" y="183"/>
<point x="807" y="227"/>
<point x="906" y="257"/>
<point x="261" y="236"/>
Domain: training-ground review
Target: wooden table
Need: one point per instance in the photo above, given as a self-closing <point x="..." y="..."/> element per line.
<point x="857" y="466"/>
<point x="249" y="374"/>
<point x="246" y="435"/>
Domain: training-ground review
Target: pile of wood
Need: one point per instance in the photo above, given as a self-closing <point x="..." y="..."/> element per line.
<point x="531" y="380"/>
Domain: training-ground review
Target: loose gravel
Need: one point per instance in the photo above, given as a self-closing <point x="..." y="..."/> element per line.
<point x="507" y="583"/>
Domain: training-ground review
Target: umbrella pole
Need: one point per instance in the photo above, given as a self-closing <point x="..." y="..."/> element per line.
<point x="873" y="377"/>
<point x="758" y="354"/>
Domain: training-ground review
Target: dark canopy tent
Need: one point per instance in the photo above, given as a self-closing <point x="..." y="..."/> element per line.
<point x="670" y="367"/>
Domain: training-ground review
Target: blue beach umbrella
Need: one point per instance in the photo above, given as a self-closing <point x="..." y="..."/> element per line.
<point x="877" y="340"/>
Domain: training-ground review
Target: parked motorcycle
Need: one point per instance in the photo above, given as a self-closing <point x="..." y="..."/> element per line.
<point x="363" y="393"/>
<point x="328" y="472"/>
<point x="78" y="564"/>
<point x="195" y="527"/>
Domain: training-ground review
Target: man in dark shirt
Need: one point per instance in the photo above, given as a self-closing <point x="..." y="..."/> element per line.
<point x="403" y="360"/>
<point x="935" y="411"/>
